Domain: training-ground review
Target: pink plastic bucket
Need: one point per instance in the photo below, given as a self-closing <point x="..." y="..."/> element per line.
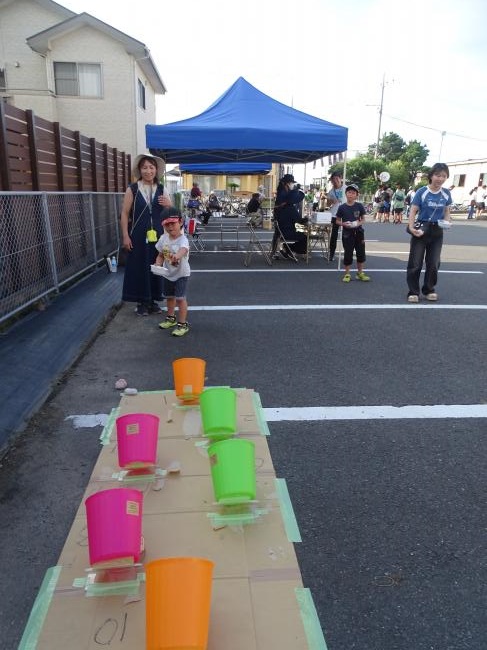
<point x="114" y="519"/>
<point x="137" y="439"/>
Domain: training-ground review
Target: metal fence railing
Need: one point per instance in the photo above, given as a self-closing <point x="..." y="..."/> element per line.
<point x="47" y="239"/>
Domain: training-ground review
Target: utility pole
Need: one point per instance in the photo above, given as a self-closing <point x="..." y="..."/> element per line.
<point x="380" y="115"/>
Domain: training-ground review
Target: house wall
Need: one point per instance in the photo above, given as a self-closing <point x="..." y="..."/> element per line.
<point x="27" y="82"/>
<point x="143" y="117"/>
<point x="473" y="170"/>
<point x="115" y="118"/>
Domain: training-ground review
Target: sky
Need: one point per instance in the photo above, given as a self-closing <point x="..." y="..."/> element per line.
<point x="328" y="59"/>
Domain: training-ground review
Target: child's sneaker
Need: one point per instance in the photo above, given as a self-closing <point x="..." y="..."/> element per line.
<point x="413" y="298"/>
<point x="361" y="276"/>
<point x="170" y="321"/>
<point x="347" y="277"/>
<point x="181" y="329"/>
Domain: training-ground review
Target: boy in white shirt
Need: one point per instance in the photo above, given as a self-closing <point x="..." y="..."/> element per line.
<point x="173" y="256"/>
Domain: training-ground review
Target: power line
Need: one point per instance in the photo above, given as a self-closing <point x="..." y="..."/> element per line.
<point x="430" y="128"/>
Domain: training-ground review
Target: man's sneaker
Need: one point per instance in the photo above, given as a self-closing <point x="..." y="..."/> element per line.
<point x="413" y="298"/>
<point x="181" y="329"/>
<point x="170" y="321"/>
<point x="361" y="276"/>
<point x="141" y="310"/>
<point x="347" y="277"/>
<point x="432" y="297"/>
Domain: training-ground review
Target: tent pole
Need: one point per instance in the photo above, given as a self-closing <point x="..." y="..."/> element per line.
<point x="344" y="184"/>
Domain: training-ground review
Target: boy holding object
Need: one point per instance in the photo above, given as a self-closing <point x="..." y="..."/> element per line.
<point x="351" y="215"/>
<point x="173" y="258"/>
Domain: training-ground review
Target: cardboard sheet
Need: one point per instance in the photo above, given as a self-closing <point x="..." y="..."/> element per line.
<point x="254" y="604"/>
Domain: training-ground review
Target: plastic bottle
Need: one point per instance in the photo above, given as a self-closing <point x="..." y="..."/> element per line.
<point x="113" y="264"/>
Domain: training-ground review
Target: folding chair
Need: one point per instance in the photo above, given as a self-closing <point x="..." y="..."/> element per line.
<point x="255" y="246"/>
<point x="318" y="238"/>
<point x="278" y="240"/>
<point x="195" y="238"/>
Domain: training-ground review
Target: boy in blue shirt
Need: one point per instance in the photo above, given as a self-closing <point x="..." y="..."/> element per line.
<point x="351" y="215"/>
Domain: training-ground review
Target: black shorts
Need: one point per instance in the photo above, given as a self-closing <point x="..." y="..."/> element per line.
<point x="353" y="240"/>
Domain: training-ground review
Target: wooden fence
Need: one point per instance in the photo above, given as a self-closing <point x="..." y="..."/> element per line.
<point x="38" y="155"/>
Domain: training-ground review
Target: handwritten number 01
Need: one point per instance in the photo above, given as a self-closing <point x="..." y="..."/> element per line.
<point x="106" y="632"/>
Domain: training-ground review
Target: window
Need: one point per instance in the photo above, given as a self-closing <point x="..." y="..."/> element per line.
<point x="78" y="79"/>
<point x="459" y="180"/>
<point x="3" y="81"/>
<point x="141" y="93"/>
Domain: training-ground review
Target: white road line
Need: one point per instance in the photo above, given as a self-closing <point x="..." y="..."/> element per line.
<point x="329" y="307"/>
<point x="438" y="411"/>
<point x="295" y="269"/>
<point x="315" y="413"/>
<point x="88" y="421"/>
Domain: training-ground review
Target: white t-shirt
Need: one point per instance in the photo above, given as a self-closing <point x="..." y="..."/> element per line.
<point x="168" y="246"/>
<point x="480" y="195"/>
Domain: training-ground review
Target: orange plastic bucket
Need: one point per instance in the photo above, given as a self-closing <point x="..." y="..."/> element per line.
<point x="178" y="599"/>
<point x="189" y="378"/>
<point x="114" y="521"/>
<point x="137" y="439"/>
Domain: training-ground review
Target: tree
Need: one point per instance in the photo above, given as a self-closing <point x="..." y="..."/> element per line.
<point x="413" y="158"/>
<point x="402" y="161"/>
<point x="391" y="147"/>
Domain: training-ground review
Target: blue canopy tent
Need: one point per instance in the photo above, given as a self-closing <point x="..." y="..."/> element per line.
<point x="230" y="168"/>
<point x="244" y="124"/>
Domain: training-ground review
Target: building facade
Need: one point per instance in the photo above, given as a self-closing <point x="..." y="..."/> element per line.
<point x="466" y="175"/>
<point x="77" y="70"/>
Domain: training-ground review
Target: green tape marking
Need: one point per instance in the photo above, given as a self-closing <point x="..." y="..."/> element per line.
<point x="311" y="623"/>
<point x="106" y="434"/>
<point x="39" y="610"/>
<point x="290" y="523"/>
<point x="259" y="412"/>
<point x="218" y="520"/>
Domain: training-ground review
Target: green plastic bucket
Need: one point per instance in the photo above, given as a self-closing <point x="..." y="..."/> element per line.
<point x="232" y="465"/>
<point x="219" y="412"/>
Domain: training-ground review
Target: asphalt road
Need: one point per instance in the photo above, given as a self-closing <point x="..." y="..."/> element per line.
<point x="391" y="511"/>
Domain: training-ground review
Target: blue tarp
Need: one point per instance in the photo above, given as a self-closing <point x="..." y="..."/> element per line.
<point x="244" y="124"/>
<point x="230" y="168"/>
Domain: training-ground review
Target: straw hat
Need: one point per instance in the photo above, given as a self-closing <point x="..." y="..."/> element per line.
<point x="161" y="165"/>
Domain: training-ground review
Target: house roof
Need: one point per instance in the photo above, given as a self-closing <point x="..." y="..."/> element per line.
<point x="47" y="4"/>
<point x="40" y="43"/>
